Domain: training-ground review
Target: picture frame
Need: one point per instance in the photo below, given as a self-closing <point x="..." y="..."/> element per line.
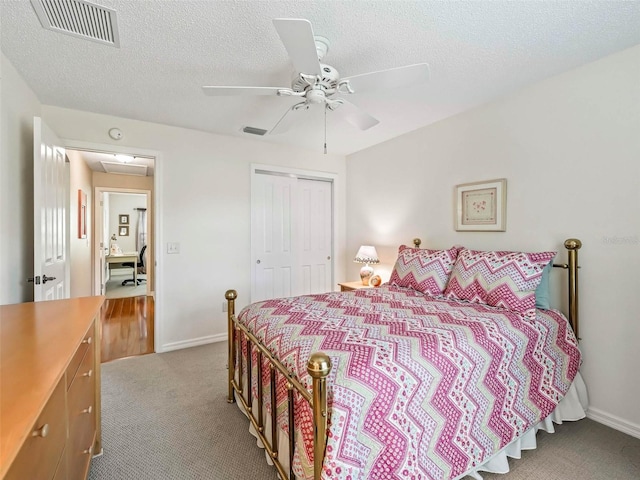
<point x="124" y="219"/>
<point x="123" y="230"/>
<point x="82" y="214"/>
<point x="481" y="206"/>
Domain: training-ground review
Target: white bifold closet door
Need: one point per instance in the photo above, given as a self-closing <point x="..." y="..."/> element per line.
<point x="291" y="236"/>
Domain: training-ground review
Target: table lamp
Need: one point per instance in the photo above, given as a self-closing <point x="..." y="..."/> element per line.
<point x="366" y="254"/>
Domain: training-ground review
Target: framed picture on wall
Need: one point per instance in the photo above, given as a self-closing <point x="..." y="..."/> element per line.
<point x="82" y="214"/>
<point x="124" y="231"/>
<point x="481" y="206"/>
<point x="124" y="219"/>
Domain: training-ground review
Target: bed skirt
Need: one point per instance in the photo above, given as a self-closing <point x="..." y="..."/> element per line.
<point x="571" y="408"/>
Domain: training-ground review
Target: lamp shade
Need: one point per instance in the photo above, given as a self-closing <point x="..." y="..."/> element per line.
<point x="367" y="254"/>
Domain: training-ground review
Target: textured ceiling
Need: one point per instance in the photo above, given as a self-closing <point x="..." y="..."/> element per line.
<point x="477" y="52"/>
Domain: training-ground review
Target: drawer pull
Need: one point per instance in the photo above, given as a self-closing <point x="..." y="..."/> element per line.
<point x="88" y="374"/>
<point x="88" y="450"/>
<point x="88" y="410"/>
<point x="87" y="341"/>
<point x="43" y="431"/>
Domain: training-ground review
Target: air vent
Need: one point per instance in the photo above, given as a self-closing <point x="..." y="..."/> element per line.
<point x="124" y="168"/>
<point x="254" y="130"/>
<point x="80" y="19"/>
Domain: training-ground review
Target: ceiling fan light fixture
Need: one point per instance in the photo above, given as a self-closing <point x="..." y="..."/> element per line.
<point x="316" y="96"/>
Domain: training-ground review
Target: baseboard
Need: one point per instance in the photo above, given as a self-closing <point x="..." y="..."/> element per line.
<point x="194" y="342"/>
<point x="614" y="422"/>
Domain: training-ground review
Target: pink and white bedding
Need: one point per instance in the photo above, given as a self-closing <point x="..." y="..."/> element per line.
<point x="421" y="387"/>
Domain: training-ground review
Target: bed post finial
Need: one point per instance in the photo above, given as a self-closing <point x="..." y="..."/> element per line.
<point x="417" y="242"/>
<point x="319" y="367"/>
<point x="573" y="245"/>
<point x="231" y="296"/>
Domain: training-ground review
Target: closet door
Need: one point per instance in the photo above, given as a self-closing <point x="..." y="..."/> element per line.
<point x="291" y="236"/>
<point x="315" y="234"/>
<point x="272" y="237"/>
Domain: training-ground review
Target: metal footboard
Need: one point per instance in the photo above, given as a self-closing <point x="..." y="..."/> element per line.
<point x="318" y="366"/>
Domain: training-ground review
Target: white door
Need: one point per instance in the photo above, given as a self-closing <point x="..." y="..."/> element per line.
<point x="314" y="203"/>
<point x="50" y="215"/>
<point x="272" y="237"/>
<point x="291" y="236"/>
<point x="102" y="241"/>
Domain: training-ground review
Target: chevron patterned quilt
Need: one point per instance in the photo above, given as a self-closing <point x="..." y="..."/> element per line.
<point x="421" y="387"/>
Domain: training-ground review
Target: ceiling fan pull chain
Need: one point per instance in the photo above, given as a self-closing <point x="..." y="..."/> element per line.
<point x="325" y="129"/>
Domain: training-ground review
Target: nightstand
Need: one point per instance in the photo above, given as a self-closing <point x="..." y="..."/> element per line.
<point x="348" y="286"/>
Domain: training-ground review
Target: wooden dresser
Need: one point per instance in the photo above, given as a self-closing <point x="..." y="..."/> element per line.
<point x="49" y="389"/>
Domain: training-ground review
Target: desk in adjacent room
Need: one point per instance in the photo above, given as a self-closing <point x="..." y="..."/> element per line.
<point x="123" y="258"/>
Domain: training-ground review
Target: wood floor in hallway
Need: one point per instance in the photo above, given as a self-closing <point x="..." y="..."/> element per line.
<point x="127" y="327"/>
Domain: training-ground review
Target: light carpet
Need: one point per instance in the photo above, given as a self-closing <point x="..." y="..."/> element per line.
<point x="165" y="417"/>
<point x="115" y="289"/>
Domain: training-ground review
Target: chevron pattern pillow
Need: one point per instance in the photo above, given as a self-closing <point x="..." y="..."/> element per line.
<point x="424" y="270"/>
<point x="500" y="279"/>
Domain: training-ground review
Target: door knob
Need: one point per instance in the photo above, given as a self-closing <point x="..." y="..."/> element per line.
<point x="35" y="280"/>
<point x="258" y="262"/>
<point x="45" y="279"/>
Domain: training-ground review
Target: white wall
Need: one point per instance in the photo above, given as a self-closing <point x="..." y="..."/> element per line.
<point x="81" y="248"/>
<point x="203" y="191"/>
<point x="18" y="107"/>
<point x="570" y="150"/>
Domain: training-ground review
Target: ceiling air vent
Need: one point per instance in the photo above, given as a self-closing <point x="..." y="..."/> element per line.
<point x="124" y="168"/>
<point x="254" y="130"/>
<point x="80" y="19"/>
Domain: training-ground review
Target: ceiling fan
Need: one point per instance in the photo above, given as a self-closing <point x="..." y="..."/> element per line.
<point x="316" y="83"/>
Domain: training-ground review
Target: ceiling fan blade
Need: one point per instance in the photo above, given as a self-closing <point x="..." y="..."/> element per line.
<point x="245" y="91"/>
<point x="392" y="78"/>
<point x="297" y="36"/>
<point x="355" y="116"/>
<point x="291" y="116"/>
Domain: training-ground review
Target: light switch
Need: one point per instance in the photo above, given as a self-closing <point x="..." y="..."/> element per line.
<point x="173" y="247"/>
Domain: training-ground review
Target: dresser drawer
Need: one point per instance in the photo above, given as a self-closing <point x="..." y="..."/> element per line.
<point x="81" y="395"/>
<point x="41" y="452"/>
<point x="61" y="471"/>
<point x="79" y="458"/>
<point x="81" y="407"/>
<point x="87" y="341"/>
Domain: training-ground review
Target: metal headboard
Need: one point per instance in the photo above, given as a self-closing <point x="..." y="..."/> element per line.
<point x="572" y="245"/>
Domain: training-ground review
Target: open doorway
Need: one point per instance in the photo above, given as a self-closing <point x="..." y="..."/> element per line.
<point x="125" y="236"/>
<point x="122" y="238"/>
<point x="119" y="190"/>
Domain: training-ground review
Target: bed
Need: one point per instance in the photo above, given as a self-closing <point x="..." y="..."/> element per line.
<point x="440" y="373"/>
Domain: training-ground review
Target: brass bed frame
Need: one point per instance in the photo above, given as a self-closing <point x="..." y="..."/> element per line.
<point x="319" y="367"/>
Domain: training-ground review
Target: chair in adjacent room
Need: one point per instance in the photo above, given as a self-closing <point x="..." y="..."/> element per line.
<point x="138" y="264"/>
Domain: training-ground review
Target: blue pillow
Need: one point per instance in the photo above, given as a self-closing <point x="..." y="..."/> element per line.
<point x="542" y="290"/>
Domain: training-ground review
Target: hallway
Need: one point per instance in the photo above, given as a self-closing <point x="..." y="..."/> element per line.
<point x="127" y="327"/>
